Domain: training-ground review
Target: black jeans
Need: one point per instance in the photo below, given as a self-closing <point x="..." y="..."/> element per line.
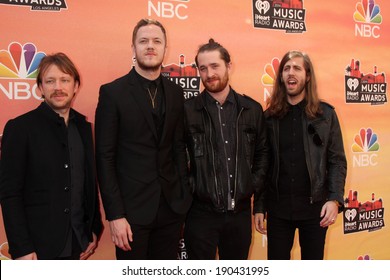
<point x="281" y="232"/>
<point x="205" y="231"/>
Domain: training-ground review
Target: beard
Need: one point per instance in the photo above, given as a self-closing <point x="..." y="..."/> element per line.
<point x="146" y="67"/>
<point x="218" y="85"/>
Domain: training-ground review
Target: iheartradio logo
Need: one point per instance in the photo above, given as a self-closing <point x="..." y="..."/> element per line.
<point x="353" y="84"/>
<point x="262" y="6"/>
<point x="350" y="214"/>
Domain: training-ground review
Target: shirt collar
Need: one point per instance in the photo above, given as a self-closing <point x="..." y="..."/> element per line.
<point x="211" y="100"/>
<point x="145" y="83"/>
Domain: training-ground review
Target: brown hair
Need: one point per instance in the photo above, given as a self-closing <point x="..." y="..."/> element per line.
<point x="212" y="46"/>
<point x="277" y="104"/>
<point x="145" y="22"/>
<point x="63" y="62"/>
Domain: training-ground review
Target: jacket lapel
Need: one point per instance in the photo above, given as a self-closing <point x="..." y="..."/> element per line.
<point x="168" y="95"/>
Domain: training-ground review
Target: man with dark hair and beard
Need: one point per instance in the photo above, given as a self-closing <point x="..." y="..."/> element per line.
<point x="226" y="140"/>
<point x="140" y="152"/>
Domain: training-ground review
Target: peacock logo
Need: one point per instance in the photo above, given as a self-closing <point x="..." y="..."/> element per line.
<point x="365" y="141"/>
<point x="20" y="61"/>
<point x="270" y="70"/>
<point x="367" y="12"/>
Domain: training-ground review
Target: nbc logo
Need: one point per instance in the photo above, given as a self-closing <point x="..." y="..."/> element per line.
<point x="364" y="147"/>
<point x="18" y="70"/>
<point x="367" y="17"/>
<point x="168" y="9"/>
<point x="268" y="78"/>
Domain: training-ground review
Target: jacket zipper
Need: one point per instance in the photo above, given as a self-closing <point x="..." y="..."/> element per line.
<point x="236" y="171"/>
<point x="212" y="150"/>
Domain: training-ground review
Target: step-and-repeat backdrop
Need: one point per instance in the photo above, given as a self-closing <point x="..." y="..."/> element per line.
<point x="347" y="40"/>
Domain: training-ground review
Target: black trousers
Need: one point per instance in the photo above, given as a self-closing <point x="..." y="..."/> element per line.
<point x="158" y="240"/>
<point x="281" y="232"/>
<point x="205" y="231"/>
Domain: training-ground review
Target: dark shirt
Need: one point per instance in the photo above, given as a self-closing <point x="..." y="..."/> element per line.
<point x="76" y="189"/>
<point x="294" y="181"/>
<point x="154" y="93"/>
<point x="223" y="117"/>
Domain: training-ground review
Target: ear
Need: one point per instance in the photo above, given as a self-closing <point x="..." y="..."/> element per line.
<point x="229" y="66"/>
<point x="76" y="87"/>
<point x="41" y="91"/>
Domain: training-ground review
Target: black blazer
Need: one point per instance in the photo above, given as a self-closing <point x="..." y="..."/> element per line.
<point x="133" y="166"/>
<point x="35" y="180"/>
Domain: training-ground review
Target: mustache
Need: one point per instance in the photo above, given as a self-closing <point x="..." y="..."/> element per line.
<point x="212" y="79"/>
<point x="55" y="94"/>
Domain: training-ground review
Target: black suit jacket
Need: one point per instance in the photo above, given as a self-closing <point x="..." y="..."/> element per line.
<point x="35" y="181"/>
<point x="133" y="166"/>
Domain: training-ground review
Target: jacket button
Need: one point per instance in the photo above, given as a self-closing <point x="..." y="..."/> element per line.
<point x="66" y="165"/>
<point x="66" y="210"/>
<point x="66" y="189"/>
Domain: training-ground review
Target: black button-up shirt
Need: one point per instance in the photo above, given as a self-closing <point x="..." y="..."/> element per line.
<point x="294" y="181"/>
<point x="223" y="117"/>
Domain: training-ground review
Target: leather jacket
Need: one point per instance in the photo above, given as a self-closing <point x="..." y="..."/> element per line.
<point x="251" y="155"/>
<point x="325" y="158"/>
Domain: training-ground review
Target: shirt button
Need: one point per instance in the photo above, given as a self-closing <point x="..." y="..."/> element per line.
<point x="226" y="142"/>
<point x="66" y="189"/>
<point x="228" y="158"/>
<point x="66" y="210"/>
<point x="66" y="165"/>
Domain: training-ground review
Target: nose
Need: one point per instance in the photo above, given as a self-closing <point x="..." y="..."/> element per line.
<point x="57" y="85"/>
<point x="150" y="44"/>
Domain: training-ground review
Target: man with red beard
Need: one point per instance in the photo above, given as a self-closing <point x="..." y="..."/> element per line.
<point x="226" y="140"/>
<point x="48" y="189"/>
<point x="305" y="186"/>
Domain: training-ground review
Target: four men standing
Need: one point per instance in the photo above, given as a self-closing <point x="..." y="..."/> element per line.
<point x="144" y="131"/>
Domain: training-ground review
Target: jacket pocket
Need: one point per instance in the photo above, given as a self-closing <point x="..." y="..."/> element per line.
<point x="249" y="141"/>
<point x="198" y="141"/>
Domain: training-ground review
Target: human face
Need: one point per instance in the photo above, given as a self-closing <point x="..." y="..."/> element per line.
<point x="149" y="48"/>
<point x="214" y="72"/>
<point x="58" y="89"/>
<point x="295" y="78"/>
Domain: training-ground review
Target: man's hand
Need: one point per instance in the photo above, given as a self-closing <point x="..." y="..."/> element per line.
<point x="260" y="223"/>
<point x="90" y="249"/>
<point x="329" y="213"/>
<point x="121" y="233"/>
